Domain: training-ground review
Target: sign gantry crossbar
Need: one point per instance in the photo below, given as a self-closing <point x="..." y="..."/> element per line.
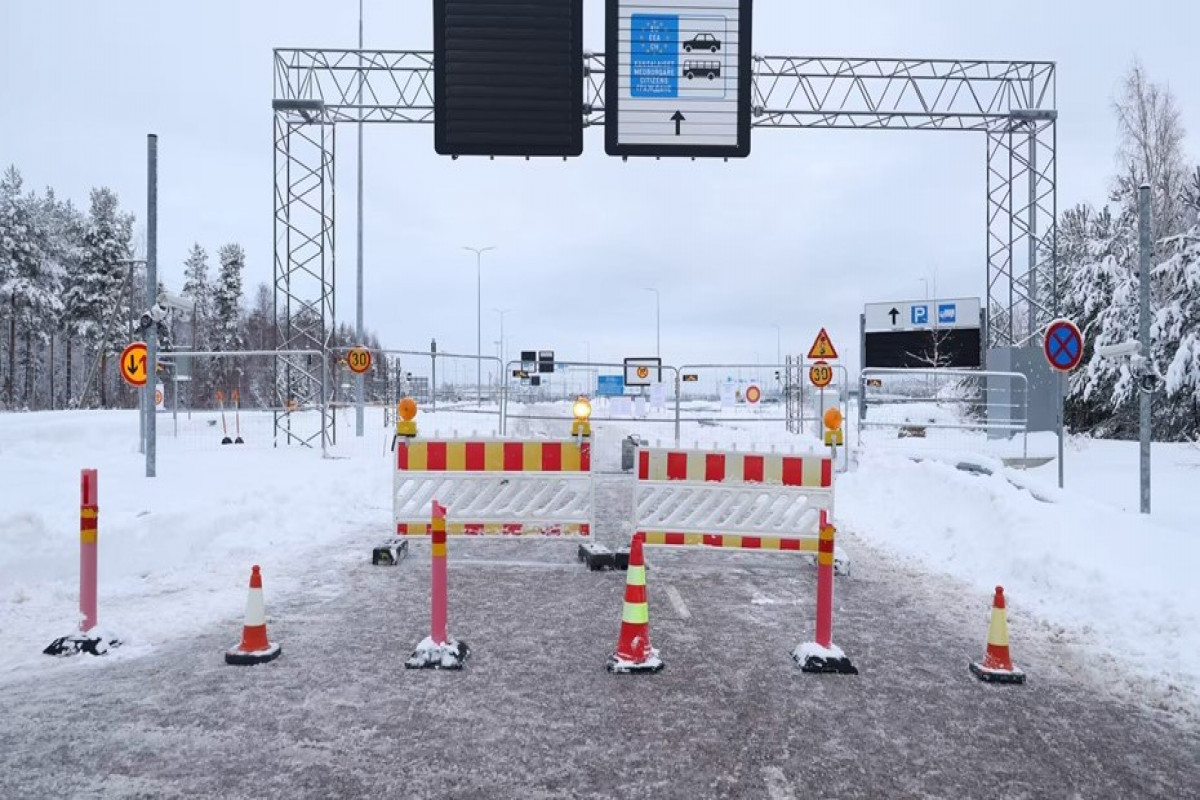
<point x="1013" y="103"/>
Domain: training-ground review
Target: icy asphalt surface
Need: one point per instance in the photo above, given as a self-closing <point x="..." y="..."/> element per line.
<point x="535" y="715"/>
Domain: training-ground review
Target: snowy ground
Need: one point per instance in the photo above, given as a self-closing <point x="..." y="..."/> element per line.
<point x="1103" y="610"/>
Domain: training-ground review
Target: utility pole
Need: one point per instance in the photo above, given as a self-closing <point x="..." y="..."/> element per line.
<point x="1144" y="245"/>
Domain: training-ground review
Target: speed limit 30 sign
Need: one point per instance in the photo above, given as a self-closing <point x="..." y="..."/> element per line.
<point x="821" y="374"/>
<point x="359" y="360"/>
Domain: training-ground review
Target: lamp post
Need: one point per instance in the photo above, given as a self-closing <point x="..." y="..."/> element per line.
<point x="479" y="251"/>
<point x="503" y="354"/>
<point x="360" y="379"/>
<point x="657" y="321"/>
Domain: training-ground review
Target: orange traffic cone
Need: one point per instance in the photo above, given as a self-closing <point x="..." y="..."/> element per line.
<point x="634" y="653"/>
<point x="996" y="666"/>
<point x="255" y="647"/>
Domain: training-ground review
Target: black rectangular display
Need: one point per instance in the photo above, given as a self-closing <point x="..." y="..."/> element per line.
<point x="924" y="349"/>
<point x="508" y="77"/>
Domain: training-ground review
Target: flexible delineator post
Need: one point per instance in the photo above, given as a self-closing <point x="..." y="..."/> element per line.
<point x="237" y="417"/>
<point x="825" y="587"/>
<point x="89" y="512"/>
<point x="438" y="551"/>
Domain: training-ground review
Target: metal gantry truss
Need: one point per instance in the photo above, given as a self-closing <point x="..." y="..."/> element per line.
<point x="1013" y="103"/>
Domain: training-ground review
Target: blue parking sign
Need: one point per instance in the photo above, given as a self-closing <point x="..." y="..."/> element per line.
<point x="920" y="315"/>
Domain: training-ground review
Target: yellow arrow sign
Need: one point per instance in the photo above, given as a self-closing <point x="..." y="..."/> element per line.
<point x="133" y="364"/>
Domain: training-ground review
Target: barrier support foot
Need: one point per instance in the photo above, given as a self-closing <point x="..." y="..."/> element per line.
<point x="814" y="658"/>
<point x="596" y="556"/>
<point x="91" y="643"/>
<point x="430" y="655"/>
<point x="390" y="553"/>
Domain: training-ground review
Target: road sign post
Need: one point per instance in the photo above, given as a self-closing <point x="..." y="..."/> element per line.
<point x="1063" y="347"/>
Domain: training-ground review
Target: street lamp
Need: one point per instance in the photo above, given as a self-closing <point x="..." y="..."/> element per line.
<point x="479" y="251"/>
<point x="657" y="321"/>
<point x="503" y="353"/>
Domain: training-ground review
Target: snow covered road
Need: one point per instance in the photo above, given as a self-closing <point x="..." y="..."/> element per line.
<point x="535" y="714"/>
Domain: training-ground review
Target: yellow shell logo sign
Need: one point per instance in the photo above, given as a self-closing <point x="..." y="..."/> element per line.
<point x="643" y="372"/>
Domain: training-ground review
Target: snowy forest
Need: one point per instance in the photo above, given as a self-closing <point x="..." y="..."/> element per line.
<point x="1099" y="281"/>
<point x="72" y="290"/>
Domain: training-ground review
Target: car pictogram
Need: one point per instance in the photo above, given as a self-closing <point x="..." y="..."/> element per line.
<point x="702" y="41"/>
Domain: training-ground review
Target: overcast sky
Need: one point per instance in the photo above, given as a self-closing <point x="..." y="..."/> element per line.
<point x="801" y="234"/>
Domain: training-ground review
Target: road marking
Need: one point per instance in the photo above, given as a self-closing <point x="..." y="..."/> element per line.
<point x="677" y="602"/>
<point x="777" y="784"/>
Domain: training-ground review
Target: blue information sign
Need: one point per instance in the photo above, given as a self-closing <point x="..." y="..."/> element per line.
<point x="654" y="55"/>
<point x="610" y="385"/>
<point x="920" y="315"/>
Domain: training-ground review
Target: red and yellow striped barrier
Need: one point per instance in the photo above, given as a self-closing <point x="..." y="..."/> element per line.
<point x="813" y="472"/>
<point x="493" y="456"/>
<point x="495" y="529"/>
<point x="731" y="541"/>
<point x="480" y="469"/>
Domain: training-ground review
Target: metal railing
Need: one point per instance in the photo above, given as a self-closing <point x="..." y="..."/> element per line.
<point x="995" y="404"/>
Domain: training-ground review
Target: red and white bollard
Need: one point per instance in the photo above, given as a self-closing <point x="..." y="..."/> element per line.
<point x="823" y="655"/>
<point x="89" y="513"/>
<point x="438" y="650"/>
<point x="86" y="640"/>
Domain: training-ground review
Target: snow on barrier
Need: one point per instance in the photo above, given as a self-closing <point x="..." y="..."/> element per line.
<point x="496" y="487"/>
<point x="737" y="500"/>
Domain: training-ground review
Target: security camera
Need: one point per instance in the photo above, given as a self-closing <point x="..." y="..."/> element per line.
<point x="157" y="312"/>
<point x="1148" y="382"/>
<point x="1118" y="350"/>
<point x="171" y="300"/>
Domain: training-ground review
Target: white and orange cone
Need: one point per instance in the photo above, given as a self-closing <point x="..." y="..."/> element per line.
<point x="255" y="647"/>
<point x="997" y="666"/>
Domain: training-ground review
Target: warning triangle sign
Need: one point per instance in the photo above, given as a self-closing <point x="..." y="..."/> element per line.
<point x="822" y="347"/>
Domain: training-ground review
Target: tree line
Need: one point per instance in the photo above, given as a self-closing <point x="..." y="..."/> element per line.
<point x="1098" y="261"/>
<point x="73" y="292"/>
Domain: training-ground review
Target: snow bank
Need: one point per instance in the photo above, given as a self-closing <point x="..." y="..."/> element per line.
<point x="176" y="550"/>
<point x="1121" y="583"/>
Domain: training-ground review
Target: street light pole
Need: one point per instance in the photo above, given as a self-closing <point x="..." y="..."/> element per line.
<point x="503" y="354"/>
<point x="479" y="251"/>
<point x="657" y="321"/>
<point x="359" y="380"/>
